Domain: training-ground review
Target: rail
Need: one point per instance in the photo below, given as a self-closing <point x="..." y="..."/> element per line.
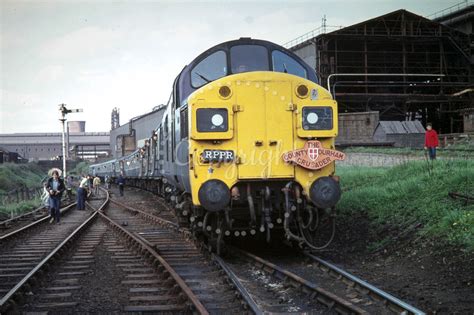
<point x="392" y="302"/>
<point x="19" y="217"/>
<point x="19" y="195"/>
<point x="6" y="302"/>
<point x="325" y="297"/>
<point x="149" y="216"/>
<point x="145" y="246"/>
<point x="235" y="280"/>
<point x="26" y="227"/>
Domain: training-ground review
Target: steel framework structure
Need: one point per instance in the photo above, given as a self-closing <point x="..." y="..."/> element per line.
<point x="376" y="53"/>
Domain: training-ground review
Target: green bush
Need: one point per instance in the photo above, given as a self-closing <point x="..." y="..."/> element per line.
<point x="414" y="192"/>
<point x="81" y="168"/>
<point x="15" y="176"/>
<point x="21" y="207"/>
<point x="20" y="175"/>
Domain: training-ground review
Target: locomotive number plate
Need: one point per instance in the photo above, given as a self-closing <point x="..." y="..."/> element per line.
<point x="217" y="156"/>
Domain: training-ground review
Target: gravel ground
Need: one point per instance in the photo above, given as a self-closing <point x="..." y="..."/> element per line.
<point x="93" y="296"/>
<point x="102" y="286"/>
<point x="271" y="294"/>
<point x="294" y="261"/>
<point x="145" y="201"/>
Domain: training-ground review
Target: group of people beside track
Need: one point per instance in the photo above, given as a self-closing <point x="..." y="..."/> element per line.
<point x="87" y="185"/>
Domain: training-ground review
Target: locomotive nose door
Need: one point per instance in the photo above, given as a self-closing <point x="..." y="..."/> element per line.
<point x="264" y="129"/>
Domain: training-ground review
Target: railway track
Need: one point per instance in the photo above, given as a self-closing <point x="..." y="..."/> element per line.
<point x="26" y="253"/>
<point x="267" y="287"/>
<point x="392" y="303"/>
<point x="151" y="265"/>
<point x="181" y="258"/>
<point x="98" y="247"/>
<point x="339" y="291"/>
<point x="29" y="216"/>
<point x="64" y="279"/>
<point x="21" y="224"/>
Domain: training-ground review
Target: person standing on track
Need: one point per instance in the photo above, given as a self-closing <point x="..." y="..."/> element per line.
<point x="55" y="187"/>
<point x="121" y="183"/>
<point x="91" y="181"/>
<point x="81" y="193"/>
<point x="107" y="182"/>
<point x="431" y="141"/>
<point x="96" y="184"/>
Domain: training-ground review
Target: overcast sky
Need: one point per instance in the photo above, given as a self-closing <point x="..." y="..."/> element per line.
<point x="98" y="55"/>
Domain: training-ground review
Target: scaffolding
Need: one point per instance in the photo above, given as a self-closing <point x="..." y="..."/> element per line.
<point x="400" y="64"/>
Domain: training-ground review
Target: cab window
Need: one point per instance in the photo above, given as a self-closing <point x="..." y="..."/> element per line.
<point x="284" y="63"/>
<point x="209" y="69"/>
<point x="244" y="58"/>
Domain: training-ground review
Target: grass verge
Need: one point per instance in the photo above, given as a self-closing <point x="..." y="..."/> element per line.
<point x="462" y="150"/>
<point x="415" y="192"/>
<point x="16" y="209"/>
<point x="20" y="175"/>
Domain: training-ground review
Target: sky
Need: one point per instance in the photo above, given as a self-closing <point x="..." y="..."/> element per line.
<point x="97" y="55"/>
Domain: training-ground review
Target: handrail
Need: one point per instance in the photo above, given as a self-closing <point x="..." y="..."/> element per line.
<point x="451" y="9"/>
<point x="322" y="29"/>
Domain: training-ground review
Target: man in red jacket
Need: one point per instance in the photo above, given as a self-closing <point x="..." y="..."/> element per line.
<point x="431" y="141"/>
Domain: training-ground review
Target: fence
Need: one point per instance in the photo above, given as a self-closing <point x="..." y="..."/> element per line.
<point x="19" y="195"/>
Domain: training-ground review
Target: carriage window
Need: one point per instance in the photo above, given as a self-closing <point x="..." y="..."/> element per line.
<point x="184" y="124"/>
<point x="284" y="63"/>
<point x="209" y="69"/>
<point x="245" y="58"/>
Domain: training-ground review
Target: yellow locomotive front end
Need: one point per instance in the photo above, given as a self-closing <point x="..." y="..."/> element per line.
<point x="260" y="128"/>
<point x="262" y="152"/>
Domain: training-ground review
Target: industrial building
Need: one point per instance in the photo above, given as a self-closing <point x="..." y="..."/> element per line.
<point x="9" y="157"/>
<point x="402" y="65"/>
<point x="47" y="146"/>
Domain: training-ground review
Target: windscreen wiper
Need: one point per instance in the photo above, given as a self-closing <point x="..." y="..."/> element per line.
<point x="202" y="77"/>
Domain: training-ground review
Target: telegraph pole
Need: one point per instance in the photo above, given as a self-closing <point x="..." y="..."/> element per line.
<point x="64" y="111"/>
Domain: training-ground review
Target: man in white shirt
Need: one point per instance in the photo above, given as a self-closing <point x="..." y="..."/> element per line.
<point x="81" y="193"/>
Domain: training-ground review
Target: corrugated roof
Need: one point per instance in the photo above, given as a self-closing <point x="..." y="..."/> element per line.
<point x="414" y="126"/>
<point x="401" y="127"/>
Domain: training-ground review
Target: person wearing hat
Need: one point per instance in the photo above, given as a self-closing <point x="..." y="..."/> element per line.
<point x="55" y="188"/>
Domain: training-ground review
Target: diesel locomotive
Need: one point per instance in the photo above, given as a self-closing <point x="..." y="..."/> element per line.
<point x="245" y="147"/>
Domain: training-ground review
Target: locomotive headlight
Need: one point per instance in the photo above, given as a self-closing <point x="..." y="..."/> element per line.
<point x="312" y="118"/>
<point x="217" y="120"/>
<point x="317" y="118"/>
<point x="212" y="120"/>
